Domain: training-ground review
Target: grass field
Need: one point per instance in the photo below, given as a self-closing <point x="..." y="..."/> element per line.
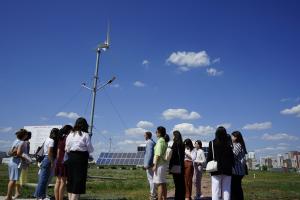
<point x="132" y="184"/>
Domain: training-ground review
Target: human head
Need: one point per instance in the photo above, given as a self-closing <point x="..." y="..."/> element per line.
<point x="81" y="125"/>
<point x="188" y="144"/>
<point x="221" y="134"/>
<point x="177" y="137"/>
<point x="237" y="137"/>
<point x="64" y="131"/>
<point x="54" y="133"/>
<point x="161" y="131"/>
<point x="22" y="134"/>
<point x="167" y="138"/>
<point x="198" y="144"/>
<point x="28" y="136"/>
<point x="148" y="135"/>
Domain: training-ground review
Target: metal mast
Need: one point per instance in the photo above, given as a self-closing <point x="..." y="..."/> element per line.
<point x="101" y="47"/>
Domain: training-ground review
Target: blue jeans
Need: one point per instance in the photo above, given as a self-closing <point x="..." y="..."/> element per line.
<point x="45" y="171"/>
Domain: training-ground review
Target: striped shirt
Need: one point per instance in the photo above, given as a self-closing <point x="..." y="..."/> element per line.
<point x="239" y="160"/>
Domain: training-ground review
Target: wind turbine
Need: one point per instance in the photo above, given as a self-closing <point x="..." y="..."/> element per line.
<point x="101" y="47"/>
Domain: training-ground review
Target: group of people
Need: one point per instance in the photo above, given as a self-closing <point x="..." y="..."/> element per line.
<point x="71" y="146"/>
<point x="62" y="150"/>
<point x="188" y="161"/>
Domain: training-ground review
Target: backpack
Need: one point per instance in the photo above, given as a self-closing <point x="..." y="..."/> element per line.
<point x="39" y="154"/>
<point x="168" y="154"/>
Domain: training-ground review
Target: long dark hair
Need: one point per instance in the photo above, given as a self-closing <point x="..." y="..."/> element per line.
<point x="64" y="131"/>
<point x="239" y="139"/>
<point x="221" y="136"/>
<point x="81" y="125"/>
<point x="162" y="131"/>
<point x="188" y="143"/>
<point x="177" y="137"/>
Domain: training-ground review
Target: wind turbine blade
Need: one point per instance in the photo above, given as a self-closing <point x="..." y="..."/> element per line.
<point x="107" y="34"/>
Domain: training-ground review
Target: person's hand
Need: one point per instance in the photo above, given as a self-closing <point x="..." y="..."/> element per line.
<point x="154" y="168"/>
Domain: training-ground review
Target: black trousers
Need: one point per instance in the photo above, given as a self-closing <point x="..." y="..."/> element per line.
<point x="236" y="188"/>
<point x="179" y="186"/>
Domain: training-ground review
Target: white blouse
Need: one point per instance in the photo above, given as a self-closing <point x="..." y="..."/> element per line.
<point x="200" y="158"/>
<point x="190" y="155"/>
<point x="75" y="142"/>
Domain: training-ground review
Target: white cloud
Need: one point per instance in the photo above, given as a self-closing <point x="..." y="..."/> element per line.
<point x="216" y="60"/>
<point x="258" y="126"/>
<point x="190" y="129"/>
<point x="144" y="124"/>
<point x="268" y="149"/>
<point x="139" y="84"/>
<point x="135" y="131"/>
<point x="130" y="142"/>
<point x="145" y="62"/>
<point x="5" y="129"/>
<point x="278" y="136"/>
<point x="213" y="72"/>
<point x="180" y="114"/>
<point x="115" y="85"/>
<point x="225" y="125"/>
<point x="189" y="60"/>
<point x="70" y="115"/>
<point x="292" y="111"/>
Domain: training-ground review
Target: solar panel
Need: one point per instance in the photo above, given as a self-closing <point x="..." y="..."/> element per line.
<point x="128" y="159"/>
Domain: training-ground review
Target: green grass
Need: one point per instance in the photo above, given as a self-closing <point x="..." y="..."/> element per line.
<point x="266" y="185"/>
<point x="271" y="185"/>
<point x="135" y="185"/>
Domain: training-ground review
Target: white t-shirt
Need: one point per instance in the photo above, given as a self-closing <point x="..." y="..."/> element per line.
<point x="200" y="158"/>
<point x="76" y="142"/>
<point x="48" y="143"/>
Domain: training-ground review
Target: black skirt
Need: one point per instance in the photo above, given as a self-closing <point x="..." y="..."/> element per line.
<point x="77" y="165"/>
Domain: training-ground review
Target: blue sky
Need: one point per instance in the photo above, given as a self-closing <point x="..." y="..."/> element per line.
<point x="187" y="65"/>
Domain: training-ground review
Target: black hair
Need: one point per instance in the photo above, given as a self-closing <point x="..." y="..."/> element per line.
<point x="28" y="136"/>
<point x="21" y="134"/>
<point x="81" y="125"/>
<point x="239" y="139"/>
<point x="64" y="131"/>
<point x="162" y="131"/>
<point x="199" y="143"/>
<point x="149" y="134"/>
<point x="188" y="143"/>
<point x="54" y="134"/>
<point x="221" y="136"/>
<point x="177" y="137"/>
<point x="167" y="138"/>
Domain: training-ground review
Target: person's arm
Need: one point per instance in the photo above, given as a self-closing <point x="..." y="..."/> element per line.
<point x="50" y="156"/>
<point x="209" y="155"/>
<point x="89" y="144"/>
<point x="202" y="160"/>
<point x="193" y="155"/>
<point x="19" y="150"/>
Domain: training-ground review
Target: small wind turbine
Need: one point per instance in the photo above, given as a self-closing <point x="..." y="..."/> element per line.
<point x="95" y="88"/>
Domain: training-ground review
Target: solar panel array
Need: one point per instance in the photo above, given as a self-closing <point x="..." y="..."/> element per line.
<point x="126" y="159"/>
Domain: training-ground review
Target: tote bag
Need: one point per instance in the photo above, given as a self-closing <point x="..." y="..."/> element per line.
<point x="212" y="166"/>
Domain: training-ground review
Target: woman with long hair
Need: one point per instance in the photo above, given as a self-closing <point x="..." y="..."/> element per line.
<point x="47" y="164"/>
<point x="159" y="164"/>
<point x="78" y="147"/>
<point x="190" y="156"/>
<point x="198" y="168"/>
<point x="240" y="168"/>
<point x="176" y="166"/>
<point x="220" y="148"/>
<point x="60" y="169"/>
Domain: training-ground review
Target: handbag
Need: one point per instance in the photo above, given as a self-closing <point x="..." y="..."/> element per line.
<point x="212" y="166"/>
